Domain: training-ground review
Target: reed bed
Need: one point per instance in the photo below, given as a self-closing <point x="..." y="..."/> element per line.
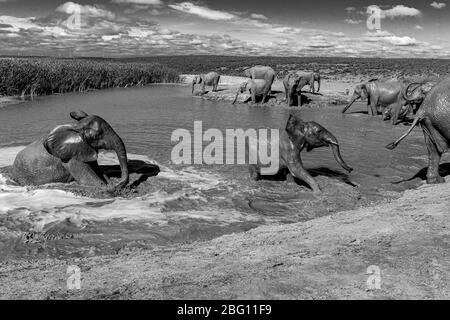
<point x="43" y="76"/>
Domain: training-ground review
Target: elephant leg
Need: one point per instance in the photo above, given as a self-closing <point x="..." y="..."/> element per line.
<point x="297" y="170"/>
<point x="255" y="175"/>
<point x="288" y="98"/>
<point x="289" y="177"/>
<point x="299" y="99"/>
<point x="313" y="90"/>
<point x="252" y="96"/>
<point x="373" y="108"/>
<point x="95" y="167"/>
<point x="434" y="158"/>
<point x="85" y="173"/>
<point x="396" y="109"/>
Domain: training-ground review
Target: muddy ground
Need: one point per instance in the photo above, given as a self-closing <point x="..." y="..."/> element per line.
<point x="324" y="258"/>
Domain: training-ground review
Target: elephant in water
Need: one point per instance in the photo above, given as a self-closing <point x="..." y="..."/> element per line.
<point x="434" y="118"/>
<point x="69" y="152"/>
<point x="209" y="79"/>
<point x="256" y="87"/>
<point x="310" y="79"/>
<point x="293" y="85"/>
<point x="297" y="136"/>
<point x="382" y="93"/>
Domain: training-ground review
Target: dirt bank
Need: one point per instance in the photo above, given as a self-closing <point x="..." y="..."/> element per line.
<point x="328" y="257"/>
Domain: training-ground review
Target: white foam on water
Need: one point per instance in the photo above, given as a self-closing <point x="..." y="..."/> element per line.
<point x="43" y="206"/>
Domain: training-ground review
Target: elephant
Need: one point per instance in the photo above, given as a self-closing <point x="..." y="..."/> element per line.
<point x="256" y="87"/>
<point x="69" y="152"/>
<point x="434" y="119"/>
<point x="383" y="93"/>
<point x="293" y="84"/>
<point x="209" y="79"/>
<point x="310" y="79"/>
<point x="296" y="136"/>
<point x="261" y="72"/>
<point x="410" y="103"/>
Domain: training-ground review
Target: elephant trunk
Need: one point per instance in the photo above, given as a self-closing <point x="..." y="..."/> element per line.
<point x="235" y="98"/>
<point x="193" y="85"/>
<point x="119" y="147"/>
<point x="408" y="97"/>
<point x="338" y="157"/>
<point x="318" y="82"/>
<point x="350" y="104"/>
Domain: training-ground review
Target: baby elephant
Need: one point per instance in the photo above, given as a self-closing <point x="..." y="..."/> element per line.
<point x="293" y="139"/>
<point x="256" y="87"/>
<point x="209" y="79"/>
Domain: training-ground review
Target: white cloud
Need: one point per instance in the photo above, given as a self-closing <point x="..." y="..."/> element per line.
<point x="418" y="27"/>
<point x="85" y="10"/>
<point x="258" y="16"/>
<point x="201" y="11"/>
<point x="438" y="5"/>
<point x="142" y="2"/>
<point x="387" y="37"/>
<point x="352" y="21"/>
<point x="401" y="11"/>
<point x="397" y="11"/>
<point x="350" y="9"/>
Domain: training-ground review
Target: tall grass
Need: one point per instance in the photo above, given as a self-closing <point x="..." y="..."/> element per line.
<point x="42" y="76"/>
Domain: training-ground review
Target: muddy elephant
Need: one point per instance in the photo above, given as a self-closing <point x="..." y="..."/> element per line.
<point x="296" y="136"/>
<point x="209" y="79"/>
<point x="293" y="85"/>
<point x="310" y="79"/>
<point x="256" y="87"/>
<point x="385" y="93"/>
<point x="434" y="119"/>
<point x="69" y="152"/>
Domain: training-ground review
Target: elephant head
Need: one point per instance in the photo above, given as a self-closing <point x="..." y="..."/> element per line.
<point x="414" y="93"/>
<point x="196" y="80"/>
<point x="312" y="135"/>
<point x="242" y="88"/>
<point x="84" y="139"/>
<point x="361" y="92"/>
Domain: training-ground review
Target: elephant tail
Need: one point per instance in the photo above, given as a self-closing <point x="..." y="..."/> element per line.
<point x="393" y="145"/>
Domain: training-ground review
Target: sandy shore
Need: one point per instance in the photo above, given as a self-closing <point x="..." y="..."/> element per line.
<point x="324" y="258"/>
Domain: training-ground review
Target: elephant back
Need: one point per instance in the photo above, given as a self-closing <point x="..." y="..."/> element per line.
<point x="65" y="143"/>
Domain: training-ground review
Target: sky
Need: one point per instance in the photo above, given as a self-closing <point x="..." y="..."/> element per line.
<point x="130" y="28"/>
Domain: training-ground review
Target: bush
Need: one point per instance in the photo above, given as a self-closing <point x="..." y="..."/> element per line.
<point x="42" y="76"/>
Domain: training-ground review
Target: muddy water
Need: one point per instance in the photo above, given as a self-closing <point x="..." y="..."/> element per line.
<point x="187" y="203"/>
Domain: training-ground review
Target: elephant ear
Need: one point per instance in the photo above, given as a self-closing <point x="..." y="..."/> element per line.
<point x="78" y="115"/>
<point x="364" y="92"/>
<point x="294" y="129"/>
<point x="65" y="143"/>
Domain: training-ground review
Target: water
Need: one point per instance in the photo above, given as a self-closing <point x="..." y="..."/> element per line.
<point x="188" y="203"/>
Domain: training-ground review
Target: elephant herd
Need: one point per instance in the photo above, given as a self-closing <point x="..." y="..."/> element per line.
<point x="69" y="152"/>
<point x="395" y="98"/>
<point x="260" y="83"/>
